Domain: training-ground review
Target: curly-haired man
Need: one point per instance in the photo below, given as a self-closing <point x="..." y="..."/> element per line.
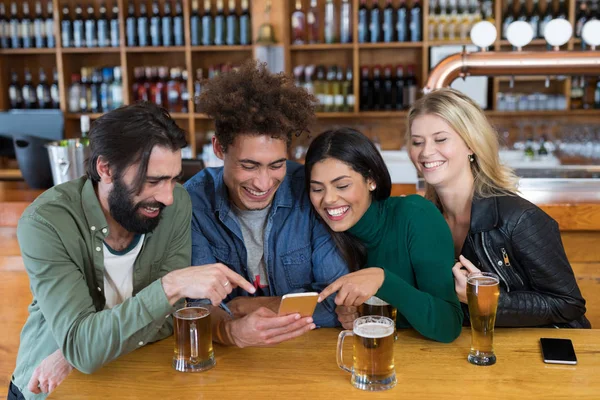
<point x="253" y="214"/>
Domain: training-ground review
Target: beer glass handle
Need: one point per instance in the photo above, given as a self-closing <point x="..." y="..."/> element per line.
<point x="193" y="342"/>
<point x="340" y="350"/>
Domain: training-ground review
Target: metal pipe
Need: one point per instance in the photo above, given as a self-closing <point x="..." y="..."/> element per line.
<point x="512" y="63"/>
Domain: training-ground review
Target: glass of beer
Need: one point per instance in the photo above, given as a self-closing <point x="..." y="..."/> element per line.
<point x="483" y="291"/>
<point x="376" y="306"/>
<point x="373" y="353"/>
<point x="193" y="340"/>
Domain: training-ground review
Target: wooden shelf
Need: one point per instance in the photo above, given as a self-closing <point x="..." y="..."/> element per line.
<point x="150" y="49"/>
<point x="337" y="114"/>
<point x="534" y="42"/>
<point x="91" y="50"/>
<point x="393" y="45"/>
<point x="79" y="115"/>
<point x="540" y="113"/>
<point x="179" y="115"/>
<point x="221" y="48"/>
<point x="201" y="116"/>
<point x="448" y="43"/>
<point x="321" y="46"/>
<point x="27" y="51"/>
<point x="530" y="78"/>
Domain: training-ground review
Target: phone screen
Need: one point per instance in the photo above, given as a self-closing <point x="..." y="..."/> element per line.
<point x="558" y="351"/>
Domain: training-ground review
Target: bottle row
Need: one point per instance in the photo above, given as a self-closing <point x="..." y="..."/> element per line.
<point x="27" y="32"/>
<point x="534" y="16"/>
<point x="453" y="19"/>
<point x="28" y="96"/>
<point x="383" y="90"/>
<point x="306" y="25"/>
<point x="89" y="30"/>
<point x="95" y="90"/>
<point x="219" y="29"/>
<point x="389" y="24"/>
<point x="585" y="92"/>
<point x="332" y="86"/>
<point x="164" y="86"/>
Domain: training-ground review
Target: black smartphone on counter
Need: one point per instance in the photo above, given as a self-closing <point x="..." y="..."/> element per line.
<point x="558" y="351"/>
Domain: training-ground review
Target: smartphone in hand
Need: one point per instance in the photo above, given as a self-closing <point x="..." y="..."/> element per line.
<point x="301" y="303"/>
<point x="558" y="351"/>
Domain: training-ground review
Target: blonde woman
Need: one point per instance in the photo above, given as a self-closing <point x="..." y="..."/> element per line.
<point x="454" y="147"/>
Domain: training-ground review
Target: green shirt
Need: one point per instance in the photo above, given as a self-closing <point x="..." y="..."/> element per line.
<point x="410" y="240"/>
<point x="61" y="235"/>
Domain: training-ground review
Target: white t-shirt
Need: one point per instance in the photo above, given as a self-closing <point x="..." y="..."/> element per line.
<point x="118" y="271"/>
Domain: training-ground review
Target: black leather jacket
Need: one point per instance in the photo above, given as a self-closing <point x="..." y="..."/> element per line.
<point x="521" y="244"/>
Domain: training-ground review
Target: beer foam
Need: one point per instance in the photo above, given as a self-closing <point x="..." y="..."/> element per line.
<point x="374" y="330"/>
<point x="376" y="301"/>
<point x="482" y="281"/>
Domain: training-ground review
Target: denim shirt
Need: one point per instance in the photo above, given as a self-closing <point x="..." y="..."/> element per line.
<point x="299" y="252"/>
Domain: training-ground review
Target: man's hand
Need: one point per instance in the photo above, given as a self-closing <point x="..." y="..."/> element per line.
<point x="244" y="305"/>
<point x="212" y="281"/>
<point x="460" y="277"/>
<point x="347" y="315"/>
<point x="355" y="288"/>
<point x="49" y="374"/>
<point x="263" y="327"/>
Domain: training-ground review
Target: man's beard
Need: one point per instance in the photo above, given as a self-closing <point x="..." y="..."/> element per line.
<point x="123" y="210"/>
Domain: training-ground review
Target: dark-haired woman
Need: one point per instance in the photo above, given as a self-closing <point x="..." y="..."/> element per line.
<point x="401" y="246"/>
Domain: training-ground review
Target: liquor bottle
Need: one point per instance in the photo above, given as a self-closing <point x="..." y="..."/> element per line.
<point x="410" y="87"/>
<point x="78" y="28"/>
<point x="245" y="24"/>
<point x="319" y="84"/>
<point x="103" y="28"/>
<point x="26" y="28"/>
<point x="114" y="27"/>
<point x="15" y="93"/>
<point x="562" y="10"/>
<point x="508" y="17"/>
<point x="330" y="89"/>
<point x="43" y="92"/>
<point x="466" y="18"/>
<point x="534" y="18"/>
<point x="155" y="29"/>
<point x="4" y="28"/>
<point x="174" y="91"/>
<point x="178" y="35"/>
<point x="220" y="24"/>
<point x="54" y="92"/>
<point x="348" y="89"/>
<point x="116" y="89"/>
<point x="143" y="26"/>
<point x="29" y="92"/>
<point x="198" y="84"/>
<point x="94" y="93"/>
<point x="195" y="25"/>
<point x="388" y="88"/>
<point x="366" y="93"/>
<point x="453" y="25"/>
<point x="74" y="102"/>
<point x="105" y="98"/>
<point x="131" y="26"/>
<point x="233" y="34"/>
<point x="432" y="19"/>
<point x="15" y="27"/>
<point x="583" y="15"/>
<point x="137" y="85"/>
<point x="329" y="22"/>
<point x="39" y="28"/>
<point x="402" y="22"/>
<point x="167" y="25"/>
<point x="338" y="94"/>
<point x="150" y="79"/>
<point x="442" y="21"/>
<point x="546" y="17"/>
<point x="90" y="27"/>
<point x="83" y="91"/>
<point x="416" y="14"/>
<point x="66" y="28"/>
<point x="597" y="96"/>
<point x="185" y="94"/>
<point x="298" y="24"/>
<point x="363" y="22"/>
<point x="346" y="22"/>
<point x="312" y="22"/>
<point x="309" y="72"/>
<point x="84" y="125"/>
<point x="488" y="12"/>
<point x="375" y="23"/>
<point x="207" y="25"/>
<point x="529" y="152"/>
<point x="49" y="26"/>
<point x="388" y="22"/>
<point x="522" y="15"/>
<point x="158" y="90"/>
<point x="398" y="94"/>
<point x="378" y="99"/>
<point x="577" y="92"/>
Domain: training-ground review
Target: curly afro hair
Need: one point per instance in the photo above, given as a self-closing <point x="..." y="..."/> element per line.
<point x="251" y="100"/>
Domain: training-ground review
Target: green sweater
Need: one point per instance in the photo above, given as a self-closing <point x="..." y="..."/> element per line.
<point x="409" y="239"/>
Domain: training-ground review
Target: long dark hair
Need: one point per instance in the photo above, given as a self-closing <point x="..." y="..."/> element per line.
<point x="128" y="134"/>
<point x="359" y="153"/>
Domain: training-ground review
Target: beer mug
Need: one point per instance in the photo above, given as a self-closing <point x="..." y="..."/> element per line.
<point x="483" y="291"/>
<point x="193" y="340"/>
<point x="373" y="367"/>
<point x="376" y="306"/>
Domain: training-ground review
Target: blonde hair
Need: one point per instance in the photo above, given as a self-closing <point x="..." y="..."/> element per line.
<point x="463" y="115"/>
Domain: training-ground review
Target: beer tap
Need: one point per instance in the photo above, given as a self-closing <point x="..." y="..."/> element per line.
<point x="519" y="34"/>
<point x="591" y="34"/>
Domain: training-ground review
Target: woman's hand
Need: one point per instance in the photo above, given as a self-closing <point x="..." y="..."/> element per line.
<point x="347" y="315"/>
<point x="460" y="277"/>
<point x="355" y="288"/>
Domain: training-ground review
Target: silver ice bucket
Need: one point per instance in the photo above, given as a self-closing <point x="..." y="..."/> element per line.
<point x="67" y="159"/>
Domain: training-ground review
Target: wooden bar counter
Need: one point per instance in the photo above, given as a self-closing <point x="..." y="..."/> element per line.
<point x="306" y="368"/>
